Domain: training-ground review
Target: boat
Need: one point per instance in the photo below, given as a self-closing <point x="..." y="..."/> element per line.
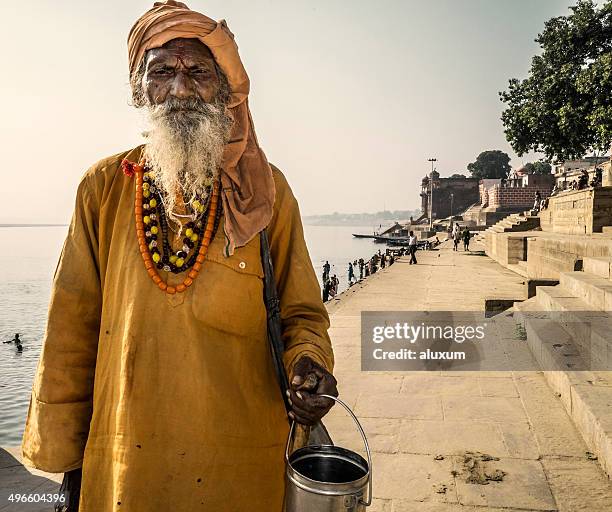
<point x="357" y="235"/>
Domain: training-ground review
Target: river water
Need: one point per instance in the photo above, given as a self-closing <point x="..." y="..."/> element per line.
<point x="27" y="262"/>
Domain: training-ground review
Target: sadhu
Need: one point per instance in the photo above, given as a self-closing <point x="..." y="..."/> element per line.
<point x="155" y="388"/>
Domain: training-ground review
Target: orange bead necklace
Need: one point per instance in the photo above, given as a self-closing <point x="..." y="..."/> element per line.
<point x="149" y="215"/>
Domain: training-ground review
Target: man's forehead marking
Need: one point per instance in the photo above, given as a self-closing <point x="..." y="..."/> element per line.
<point x="183" y="48"/>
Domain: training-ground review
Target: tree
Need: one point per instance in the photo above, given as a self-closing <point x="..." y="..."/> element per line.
<point x="457" y="175"/>
<point x="490" y="164"/>
<point x="564" y="107"/>
<point x="539" y="167"/>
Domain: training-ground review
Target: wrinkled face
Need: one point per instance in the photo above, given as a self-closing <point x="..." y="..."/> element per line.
<point x="182" y="68"/>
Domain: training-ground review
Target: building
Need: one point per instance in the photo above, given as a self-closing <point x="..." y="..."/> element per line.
<point x="500" y="198"/>
<point x="570" y="171"/>
<point x="451" y="196"/>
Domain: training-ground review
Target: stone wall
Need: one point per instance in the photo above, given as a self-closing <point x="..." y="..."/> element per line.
<point x="578" y="212"/>
<point x="515" y="196"/>
<point x="506" y="248"/>
<point x="547" y="256"/>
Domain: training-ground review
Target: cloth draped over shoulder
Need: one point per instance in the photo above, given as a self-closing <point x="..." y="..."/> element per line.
<point x="246" y="177"/>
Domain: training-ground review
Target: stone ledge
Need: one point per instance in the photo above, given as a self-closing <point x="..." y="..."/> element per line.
<point x="586" y="395"/>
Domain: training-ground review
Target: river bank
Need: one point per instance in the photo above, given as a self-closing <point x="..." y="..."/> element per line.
<point x="429" y="430"/>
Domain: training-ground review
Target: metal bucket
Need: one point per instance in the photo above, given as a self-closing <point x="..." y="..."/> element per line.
<point x="323" y="478"/>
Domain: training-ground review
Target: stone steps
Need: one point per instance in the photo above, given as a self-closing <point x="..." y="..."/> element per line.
<point x="519" y="224"/>
<point x="598" y="266"/>
<point x="557" y="298"/>
<point x="586" y="395"/>
<point x="590" y="329"/>
<point x="595" y="291"/>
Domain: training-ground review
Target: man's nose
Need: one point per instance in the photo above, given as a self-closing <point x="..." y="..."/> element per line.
<point x="182" y="87"/>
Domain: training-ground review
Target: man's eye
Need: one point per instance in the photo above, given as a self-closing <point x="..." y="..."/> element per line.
<point x="162" y="71"/>
<point x="200" y="71"/>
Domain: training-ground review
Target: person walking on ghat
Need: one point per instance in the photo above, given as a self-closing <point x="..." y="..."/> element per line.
<point x="164" y="245"/>
<point x="412" y="247"/>
<point x="466" y="235"/>
<point x="361" y="265"/>
<point x="351" y="274"/>
<point x="456" y="237"/>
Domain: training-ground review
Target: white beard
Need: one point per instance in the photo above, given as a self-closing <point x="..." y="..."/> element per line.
<point x="185" y="143"/>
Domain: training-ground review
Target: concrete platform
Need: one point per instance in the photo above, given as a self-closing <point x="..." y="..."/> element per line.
<point x="422" y="424"/>
<point x="17" y="479"/>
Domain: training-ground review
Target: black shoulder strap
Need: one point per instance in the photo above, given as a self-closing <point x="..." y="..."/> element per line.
<point x="277" y="346"/>
<point x="318" y="433"/>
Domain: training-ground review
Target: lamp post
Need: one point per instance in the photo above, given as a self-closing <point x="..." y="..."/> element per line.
<point x="452" y="197"/>
<point x="432" y="160"/>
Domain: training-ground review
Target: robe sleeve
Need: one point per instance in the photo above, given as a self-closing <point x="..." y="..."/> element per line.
<point x="60" y="408"/>
<point x="304" y="318"/>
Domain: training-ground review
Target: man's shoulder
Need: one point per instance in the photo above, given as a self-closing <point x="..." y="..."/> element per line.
<point x="279" y="178"/>
<point x="283" y="191"/>
<point x="109" y="166"/>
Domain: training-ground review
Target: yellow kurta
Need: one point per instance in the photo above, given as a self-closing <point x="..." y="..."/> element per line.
<point x="168" y="402"/>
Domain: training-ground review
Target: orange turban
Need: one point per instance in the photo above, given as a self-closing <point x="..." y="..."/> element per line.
<point x="246" y="178"/>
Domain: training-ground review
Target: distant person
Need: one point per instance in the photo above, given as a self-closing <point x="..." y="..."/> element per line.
<point x="466" y="235"/>
<point x="456" y="238"/>
<point x="15" y="340"/>
<point x="383" y="260"/>
<point x="583" y="180"/>
<point x="412" y="247"/>
<point x="536" y="201"/>
<point x="361" y="265"/>
<point x="334" y="282"/>
<point x="326" y="269"/>
<point x="391" y="259"/>
<point x="351" y="274"/>
<point x="19" y="346"/>
<point x="326" y="290"/>
<point x="597" y="178"/>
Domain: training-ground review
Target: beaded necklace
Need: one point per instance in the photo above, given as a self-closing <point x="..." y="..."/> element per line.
<point x="151" y="218"/>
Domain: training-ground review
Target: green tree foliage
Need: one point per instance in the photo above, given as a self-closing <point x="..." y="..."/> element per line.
<point x="539" y="167"/>
<point x="564" y="107"/>
<point x="490" y="164"/>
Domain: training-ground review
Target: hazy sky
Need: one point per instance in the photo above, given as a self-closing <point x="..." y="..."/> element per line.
<point x="349" y="98"/>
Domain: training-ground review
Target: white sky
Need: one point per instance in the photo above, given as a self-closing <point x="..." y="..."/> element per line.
<point x="349" y="98"/>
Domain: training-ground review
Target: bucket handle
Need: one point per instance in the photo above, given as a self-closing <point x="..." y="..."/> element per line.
<point x="363" y="436"/>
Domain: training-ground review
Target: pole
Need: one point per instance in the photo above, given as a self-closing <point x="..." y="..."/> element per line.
<point x="432" y="160"/>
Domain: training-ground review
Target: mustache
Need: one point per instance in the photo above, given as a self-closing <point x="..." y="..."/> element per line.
<point x="174" y="105"/>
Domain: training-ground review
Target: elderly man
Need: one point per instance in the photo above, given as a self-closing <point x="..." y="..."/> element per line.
<point x="155" y="388"/>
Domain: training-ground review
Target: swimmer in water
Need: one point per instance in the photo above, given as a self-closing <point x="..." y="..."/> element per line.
<point x="15" y="339"/>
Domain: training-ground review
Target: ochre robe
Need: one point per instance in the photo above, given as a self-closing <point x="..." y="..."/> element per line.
<point x="169" y="402"/>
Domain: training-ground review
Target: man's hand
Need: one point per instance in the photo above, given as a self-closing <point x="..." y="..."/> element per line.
<point x="309" y="380"/>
